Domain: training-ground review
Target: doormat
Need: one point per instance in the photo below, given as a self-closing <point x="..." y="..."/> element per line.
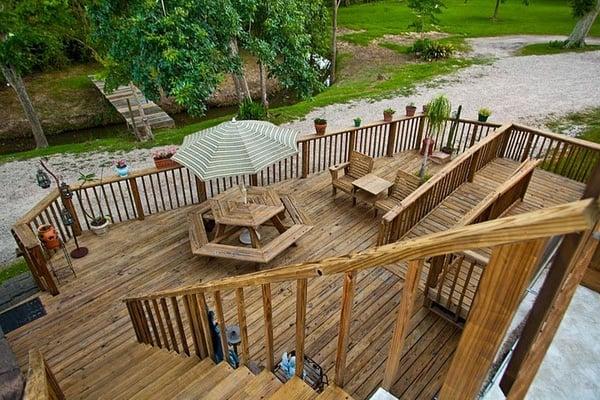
<point x="22" y="314"/>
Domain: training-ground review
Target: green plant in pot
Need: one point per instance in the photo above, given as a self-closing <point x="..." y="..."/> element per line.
<point x="357" y="122"/>
<point x="484" y="114"/>
<point x="449" y="147"/>
<point x="98" y="223"/>
<point x="320" y="125"/>
<point x="437" y="114"/>
<point x="388" y="114"/>
<point x="411" y="109"/>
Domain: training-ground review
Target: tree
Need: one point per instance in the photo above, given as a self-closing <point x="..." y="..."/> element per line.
<point x="336" y="5"/>
<point x="31" y="34"/>
<point x="497" y="7"/>
<point x="182" y="50"/>
<point x="425" y="12"/>
<point x="586" y="11"/>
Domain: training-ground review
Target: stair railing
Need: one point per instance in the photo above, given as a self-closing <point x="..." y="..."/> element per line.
<point x="158" y="329"/>
<point x="41" y="383"/>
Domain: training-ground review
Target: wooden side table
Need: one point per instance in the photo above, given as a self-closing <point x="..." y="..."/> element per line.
<point x="369" y="188"/>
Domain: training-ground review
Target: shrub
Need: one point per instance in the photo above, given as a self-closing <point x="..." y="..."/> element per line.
<point x="390" y="111"/>
<point x="251" y="110"/>
<point x="431" y="50"/>
<point x="320" y="121"/>
<point x="486" y="112"/>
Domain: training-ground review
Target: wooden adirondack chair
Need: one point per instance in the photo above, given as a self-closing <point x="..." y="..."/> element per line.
<point x="358" y="166"/>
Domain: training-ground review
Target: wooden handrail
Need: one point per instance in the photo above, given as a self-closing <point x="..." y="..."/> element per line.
<point x="39" y="207"/>
<point x="557" y="220"/>
<point x="559" y="137"/>
<point x="41" y="383"/>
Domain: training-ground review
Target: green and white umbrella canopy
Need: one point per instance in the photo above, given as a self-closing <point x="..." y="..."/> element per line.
<point x="235" y="148"/>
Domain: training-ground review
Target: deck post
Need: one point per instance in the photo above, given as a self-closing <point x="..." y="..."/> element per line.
<point x="351" y="144"/>
<point x="305" y="159"/>
<point x="38" y="258"/>
<point x="420" y="130"/>
<point x="135" y="192"/>
<point x="344" y="332"/>
<point x="301" y="292"/>
<point x="200" y="189"/>
<point x="68" y="203"/>
<point x="392" y="134"/>
<point x="254" y="180"/>
<point x="500" y="291"/>
<point x="474" y="135"/>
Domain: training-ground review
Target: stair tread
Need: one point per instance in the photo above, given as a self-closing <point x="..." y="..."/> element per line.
<point x="334" y="393"/>
<point x="295" y="389"/>
<point x="225" y="388"/>
<point x="198" y="372"/>
<point x="260" y="387"/>
<point x="197" y="388"/>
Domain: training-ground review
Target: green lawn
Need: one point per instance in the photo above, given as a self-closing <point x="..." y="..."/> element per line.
<point x="588" y="120"/>
<point x="469" y="18"/>
<point x="17" y="267"/>
<point x="537" y="49"/>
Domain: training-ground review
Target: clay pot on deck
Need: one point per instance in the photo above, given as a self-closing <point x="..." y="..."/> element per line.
<point x="410" y="111"/>
<point x="163" y="163"/>
<point x="388" y="116"/>
<point x="320" y="128"/>
<point x="429" y="144"/>
<point x="99" y="227"/>
<point x="48" y="236"/>
<point x="482" y="118"/>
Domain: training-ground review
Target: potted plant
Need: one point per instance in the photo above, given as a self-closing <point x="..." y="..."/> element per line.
<point x="388" y="114"/>
<point x="437" y="114"/>
<point x="122" y="168"/>
<point x="48" y="236"/>
<point x="162" y="158"/>
<point x="357" y="122"/>
<point x="98" y="224"/>
<point x="484" y="114"/>
<point x="425" y="108"/>
<point x="320" y="125"/>
<point x="411" y="109"/>
<point x="449" y="147"/>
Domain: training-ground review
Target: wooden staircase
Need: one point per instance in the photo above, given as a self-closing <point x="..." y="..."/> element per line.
<point x="140" y="371"/>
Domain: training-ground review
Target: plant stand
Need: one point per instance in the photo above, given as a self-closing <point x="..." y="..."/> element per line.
<point x="67" y="257"/>
<point x="313" y="373"/>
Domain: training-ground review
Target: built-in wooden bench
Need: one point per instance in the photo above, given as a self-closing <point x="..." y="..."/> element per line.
<point x="458" y="274"/>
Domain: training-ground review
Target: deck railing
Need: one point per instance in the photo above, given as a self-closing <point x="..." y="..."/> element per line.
<point x="157" y="319"/>
<point x="151" y="191"/>
<point x="41" y="383"/>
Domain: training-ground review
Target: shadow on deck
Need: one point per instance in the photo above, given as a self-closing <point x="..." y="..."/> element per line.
<point x="88" y="320"/>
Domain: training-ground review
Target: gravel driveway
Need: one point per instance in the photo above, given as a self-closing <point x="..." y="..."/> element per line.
<point x="524" y="89"/>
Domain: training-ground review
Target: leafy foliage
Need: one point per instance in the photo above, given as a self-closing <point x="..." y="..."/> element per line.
<point x="431" y="50"/>
<point x="251" y="110"/>
<point x="581" y="7"/>
<point x="438" y="111"/>
<point x="425" y="12"/>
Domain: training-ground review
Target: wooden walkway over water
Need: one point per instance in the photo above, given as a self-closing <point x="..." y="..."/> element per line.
<point x="88" y="321"/>
<point x="140" y="106"/>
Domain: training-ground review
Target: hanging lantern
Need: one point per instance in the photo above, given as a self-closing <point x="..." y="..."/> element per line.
<point x="43" y="180"/>
<point x="66" y="217"/>
<point x="65" y="191"/>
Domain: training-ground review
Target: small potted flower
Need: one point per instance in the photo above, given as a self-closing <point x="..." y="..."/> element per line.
<point x="425" y="108"/>
<point x="411" y="109"/>
<point x="388" y="114"/>
<point x="162" y="158"/>
<point x="122" y="168"/>
<point x="484" y="114"/>
<point x="99" y="225"/>
<point x="320" y="125"/>
<point x="357" y="122"/>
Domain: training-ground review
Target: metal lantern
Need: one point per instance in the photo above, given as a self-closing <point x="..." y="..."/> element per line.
<point x="66" y="217"/>
<point x="43" y="180"/>
<point x="65" y="191"/>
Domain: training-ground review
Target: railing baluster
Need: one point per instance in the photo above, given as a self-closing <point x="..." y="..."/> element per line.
<point x="180" y="328"/>
<point x="167" y="315"/>
<point x="409" y="294"/>
<point x="161" y="325"/>
<point x="203" y="311"/>
<point x="190" y="310"/>
<point x="221" y="321"/>
<point x="268" y="321"/>
<point x="301" y="289"/>
<point x="241" y="312"/>
<point x="134" y="322"/>
<point x="344" y="332"/>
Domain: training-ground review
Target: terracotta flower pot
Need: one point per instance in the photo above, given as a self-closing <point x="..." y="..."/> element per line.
<point x="410" y="111"/>
<point x="163" y="163"/>
<point x="48" y="236"/>
<point x="429" y="144"/>
<point x="320" y="128"/>
<point x="387" y="117"/>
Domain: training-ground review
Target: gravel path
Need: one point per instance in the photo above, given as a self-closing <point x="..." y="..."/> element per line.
<point x="524" y="89"/>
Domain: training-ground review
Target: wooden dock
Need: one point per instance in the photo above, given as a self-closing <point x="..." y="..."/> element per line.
<point x="139" y="107"/>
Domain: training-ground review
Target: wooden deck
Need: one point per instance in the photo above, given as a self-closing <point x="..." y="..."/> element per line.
<point x="87" y="320"/>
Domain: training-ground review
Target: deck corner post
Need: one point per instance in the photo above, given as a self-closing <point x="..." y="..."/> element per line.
<point x="39" y="259"/>
<point x="344" y="331"/>
<point x="305" y="159"/>
<point x="68" y="203"/>
<point x="351" y="144"/>
<point x="254" y="180"/>
<point x="420" y="131"/>
<point x="474" y="136"/>
<point x="135" y="191"/>
<point x="392" y="135"/>
<point x="200" y="189"/>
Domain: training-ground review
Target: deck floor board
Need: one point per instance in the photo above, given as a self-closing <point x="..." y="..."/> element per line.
<point x="88" y="321"/>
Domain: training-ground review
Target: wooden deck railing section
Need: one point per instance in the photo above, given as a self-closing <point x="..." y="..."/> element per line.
<point x="41" y="383"/>
<point x="516" y="242"/>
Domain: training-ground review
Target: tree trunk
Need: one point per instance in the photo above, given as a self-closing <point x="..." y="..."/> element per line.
<point x="14" y="79"/>
<point x="496" y="9"/>
<point x="241" y="84"/>
<point x="582" y="27"/>
<point x="334" y="41"/>
<point x="263" y="85"/>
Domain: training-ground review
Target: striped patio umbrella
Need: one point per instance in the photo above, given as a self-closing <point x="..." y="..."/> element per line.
<point x="235" y="148"/>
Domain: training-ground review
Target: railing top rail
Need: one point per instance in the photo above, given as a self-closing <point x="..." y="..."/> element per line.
<point x="560" y="137"/>
<point x="441" y="174"/>
<point x="39" y="207"/>
<point x="558" y="220"/>
<point x="36" y="387"/>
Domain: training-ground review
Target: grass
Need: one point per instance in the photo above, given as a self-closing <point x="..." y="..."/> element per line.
<point x="538" y="49"/>
<point x="587" y="122"/>
<point x="463" y="18"/>
<point x="17" y="267"/>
